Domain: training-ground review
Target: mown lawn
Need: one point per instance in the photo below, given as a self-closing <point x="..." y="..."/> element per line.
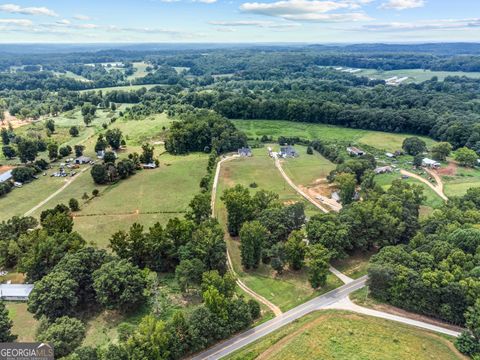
<point x="305" y="169"/>
<point x="24" y="325"/>
<point x="461" y="181"/>
<point x="344" y="335"/>
<point x="380" y="140"/>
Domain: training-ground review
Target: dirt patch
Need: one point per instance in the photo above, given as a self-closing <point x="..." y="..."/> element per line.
<point x="4" y="168"/>
<point x="225" y="174"/>
<point x="449" y="170"/>
<point x="13" y="121"/>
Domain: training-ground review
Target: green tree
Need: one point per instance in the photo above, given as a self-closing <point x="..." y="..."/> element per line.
<point x="79" y="150"/>
<point x="200" y="208"/>
<point x="346" y="183"/>
<point x="109" y="157"/>
<point x="252" y="237"/>
<point x="215" y="302"/>
<point x="65" y="150"/>
<point x="147" y="154"/>
<point x="295" y="249"/>
<point x="65" y="334"/>
<point x="5" y="135"/>
<point x="27" y="149"/>
<point x="318" y="259"/>
<point x="119" y="285"/>
<point x="52" y="151"/>
<point x="239" y="207"/>
<point x="53" y="296"/>
<point x="466" y="157"/>
<point x="50" y="125"/>
<point x="309" y="150"/>
<point x="114" y="138"/>
<point x="150" y="341"/>
<point x="329" y="231"/>
<point x="189" y="273"/>
<point x="73" y="204"/>
<point x="414" y="146"/>
<point x="99" y="174"/>
<point x="224" y="284"/>
<point x="23" y="173"/>
<point x="73" y="131"/>
<point x="6" y="325"/>
<point x="9" y="152"/>
<point x="418" y="160"/>
<point x="441" y="150"/>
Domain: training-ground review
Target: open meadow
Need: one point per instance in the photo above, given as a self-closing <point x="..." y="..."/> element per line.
<point x="377" y="139"/>
<point x="343" y="335"/>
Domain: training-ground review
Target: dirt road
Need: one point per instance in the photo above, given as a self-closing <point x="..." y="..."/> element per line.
<point x="437" y="188"/>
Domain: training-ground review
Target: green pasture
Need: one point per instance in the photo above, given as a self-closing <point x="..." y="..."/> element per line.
<point x="377" y="139"/>
<point x="334" y="334"/>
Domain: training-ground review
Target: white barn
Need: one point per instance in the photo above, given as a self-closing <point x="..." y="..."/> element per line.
<point x="15" y="292"/>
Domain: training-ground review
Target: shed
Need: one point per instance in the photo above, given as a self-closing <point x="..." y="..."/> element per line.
<point x="82" y="160"/>
<point x="383" y="169"/>
<point x="6" y="176"/>
<point x="336" y="196"/>
<point x="390" y="155"/>
<point x="352" y="150"/>
<point x="430" y="163"/>
<point x="15" y="292"/>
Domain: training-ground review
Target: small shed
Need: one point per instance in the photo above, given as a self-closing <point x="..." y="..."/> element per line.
<point x="149" y="166"/>
<point x="383" y="170"/>
<point x="245" y="151"/>
<point x="15" y="292"/>
<point x="336" y="196"/>
<point x="6" y="176"/>
<point x="100" y="154"/>
<point x="354" y="151"/>
<point x="426" y="162"/>
<point x="82" y="160"/>
<point x="390" y="155"/>
<point x="288" y="151"/>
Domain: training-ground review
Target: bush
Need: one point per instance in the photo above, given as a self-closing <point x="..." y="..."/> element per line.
<point x="95" y="192"/>
<point x="254" y="307"/>
<point x="467" y="344"/>
<point x="73" y="204"/>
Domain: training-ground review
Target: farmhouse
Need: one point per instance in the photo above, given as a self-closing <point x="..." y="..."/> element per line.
<point x="288" y="151"/>
<point x="245" y="151"/>
<point x="430" y="163"/>
<point x="6" y="176"/>
<point x="15" y="292"/>
<point x="383" y="170"/>
<point x="82" y="160"/>
<point x="354" y="151"/>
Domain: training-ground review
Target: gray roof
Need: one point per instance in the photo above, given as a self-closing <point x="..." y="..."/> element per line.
<point x="7" y="175"/>
<point x="15" y="290"/>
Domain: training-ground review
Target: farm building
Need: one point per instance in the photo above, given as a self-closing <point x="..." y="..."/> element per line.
<point x="245" y="151"/>
<point x="383" y="170"/>
<point x="288" y="151"/>
<point x="430" y="163"/>
<point x="15" y="292"/>
<point x="6" y="176"/>
<point x="82" y="160"/>
<point x="354" y="151"/>
<point x="390" y="155"/>
<point x="335" y="196"/>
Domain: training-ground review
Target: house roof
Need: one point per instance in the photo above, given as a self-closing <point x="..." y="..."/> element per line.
<point x="15" y="290"/>
<point x="430" y="161"/>
<point x="7" y="175"/>
<point x="83" y="158"/>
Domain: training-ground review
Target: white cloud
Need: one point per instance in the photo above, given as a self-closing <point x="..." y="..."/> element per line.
<point x="82" y="17"/>
<point x="261" y="24"/>
<point x="64" y="22"/>
<point x="17" y="9"/>
<point x="443" y="24"/>
<point x="402" y="4"/>
<point x="206" y="1"/>
<point x="16" y="22"/>
<point x="309" y="10"/>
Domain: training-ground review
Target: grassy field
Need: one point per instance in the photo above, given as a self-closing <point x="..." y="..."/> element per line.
<point x="305" y="169"/>
<point x="432" y="199"/>
<point x="354" y="266"/>
<point x="24" y="325"/>
<point x="124" y="88"/>
<point x="140" y="70"/>
<point x="461" y="179"/>
<point x="291" y="288"/>
<point x="343" y="335"/>
<point x="275" y="128"/>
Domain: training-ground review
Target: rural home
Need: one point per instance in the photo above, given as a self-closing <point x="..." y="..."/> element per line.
<point x="430" y="163"/>
<point x="244" y="151"/>
<point x="15" y="292"/>
<point x="6" y="176"/>
<point x="383" y="170"/>
<point x="354" y="151"/>
<point x="82" y="160"/>
<point x="288" y="151"/>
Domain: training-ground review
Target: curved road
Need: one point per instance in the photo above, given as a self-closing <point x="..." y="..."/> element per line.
<point x="438" y="189"/>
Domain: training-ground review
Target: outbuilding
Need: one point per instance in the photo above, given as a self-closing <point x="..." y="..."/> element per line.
<point x="6" y="176"/>
<point x="15" y="292"/>
<point x="245" y="152"/>
<point x="354" y="151"/>
<point x="82" y="160"/>
<point x="288" y="151"/>
<point x="426" y="162"/>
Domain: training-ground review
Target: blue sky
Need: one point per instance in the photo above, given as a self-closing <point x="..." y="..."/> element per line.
<point x="312" y="21"/>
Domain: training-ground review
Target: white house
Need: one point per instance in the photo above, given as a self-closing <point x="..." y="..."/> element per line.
<point x="426" y="162"/>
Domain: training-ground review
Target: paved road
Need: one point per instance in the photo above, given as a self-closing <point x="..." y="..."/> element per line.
<point x="251" y="335"/>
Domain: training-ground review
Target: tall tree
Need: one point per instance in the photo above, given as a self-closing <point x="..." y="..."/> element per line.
<point x="295" y="249"/>
<point x="6" y="325"/>
<point x="252" y="237"/>
<point x="318" y="259"/>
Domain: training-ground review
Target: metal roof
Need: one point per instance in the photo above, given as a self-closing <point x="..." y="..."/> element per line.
<point x="7" y="175"/>
<point x="15" y="290"/>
